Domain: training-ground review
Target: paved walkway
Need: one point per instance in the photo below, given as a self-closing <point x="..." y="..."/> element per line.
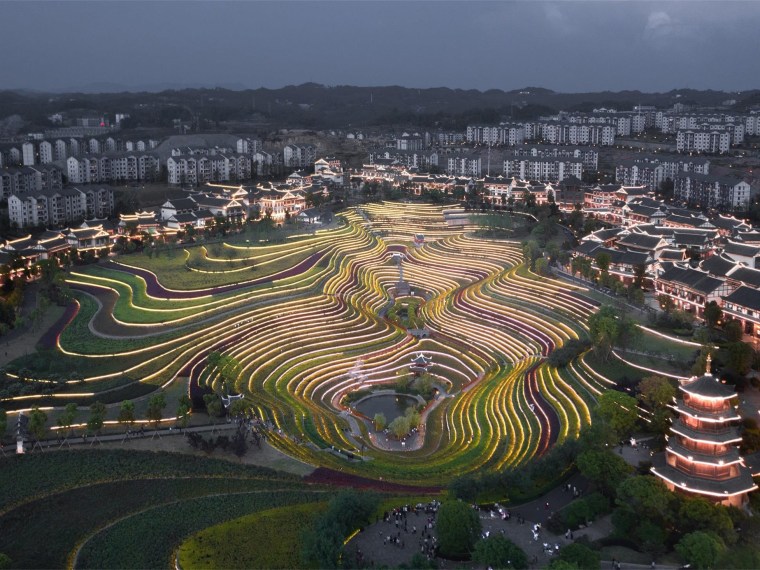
<point x="137" y="434"/>
<point x="20" y="342"/>
<point x="375" y="547"/>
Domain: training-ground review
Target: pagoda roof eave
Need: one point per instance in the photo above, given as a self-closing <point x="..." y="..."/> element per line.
<point x="720" y="489"/>
<point x="730" y="457"/>
<point x="729" y="415"/>
<point x="730" y="435"/>
<point x="708" y="387"/>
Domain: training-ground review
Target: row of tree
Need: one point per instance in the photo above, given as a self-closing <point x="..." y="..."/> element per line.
<point x="38" y="427"/>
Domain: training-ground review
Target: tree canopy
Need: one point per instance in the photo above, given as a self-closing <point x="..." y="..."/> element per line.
<point x="618" y="412"/>
<point x="604" y="468"/>
<point x="700" y="549"/>
<point x="97" y="417"/>
<point x="498" y="551"/>
<point x="458" y="528"/>
<point x="608" y="327"/>
<point x="156" y="406"/>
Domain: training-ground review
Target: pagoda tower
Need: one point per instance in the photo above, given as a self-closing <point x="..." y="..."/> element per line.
<point x="702" y="456"/>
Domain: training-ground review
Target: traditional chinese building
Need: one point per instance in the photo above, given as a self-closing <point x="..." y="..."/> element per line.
<point x="420" y="364"/>
<point x="702" y="456"/>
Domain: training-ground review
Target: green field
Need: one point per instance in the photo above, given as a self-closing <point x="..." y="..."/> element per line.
<point x="264" y="540"/>
<point x="80" y="493"/>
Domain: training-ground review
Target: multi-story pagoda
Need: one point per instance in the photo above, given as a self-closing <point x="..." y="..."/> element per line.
<point x="702" y="456"/>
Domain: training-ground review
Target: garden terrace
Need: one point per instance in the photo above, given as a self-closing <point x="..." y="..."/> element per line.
<point x="308" y="326"/>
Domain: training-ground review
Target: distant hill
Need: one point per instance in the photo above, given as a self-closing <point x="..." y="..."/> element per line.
<point x="313" y="106"/>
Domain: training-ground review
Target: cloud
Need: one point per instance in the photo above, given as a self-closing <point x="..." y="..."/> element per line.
<point x="662" y="28"/>
<point x="658" y="26"/>
<point x="557" y="19"/>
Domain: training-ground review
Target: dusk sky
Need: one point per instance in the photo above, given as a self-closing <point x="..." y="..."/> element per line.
<point x="565" y="46"/>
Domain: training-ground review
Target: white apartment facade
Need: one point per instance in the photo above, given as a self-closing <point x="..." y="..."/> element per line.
<point x="60" y="207"/>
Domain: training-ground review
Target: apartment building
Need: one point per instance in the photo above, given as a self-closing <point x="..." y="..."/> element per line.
<point x="59" y="207"/>
<point x="421" y="160"/>
<point x="707" y="191"/>
<point x="299" y="156"/>
<point x="464" y="165"/>
<point x="651" y="171"/>
<point x="28" y="153"/>
<point x="589" y="157"/>
<point x="410" y="142"/>
<point x="543" y="169"/>
<point x="197" y="169"/>
<point x="30" y="179"/>
<point x="247" y="146"/>
<point x="575" y="134"/>
<point x="703" y="140"/>
<point x="113" y="168"/>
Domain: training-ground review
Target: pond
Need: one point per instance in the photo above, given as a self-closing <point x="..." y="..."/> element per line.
<point x="390" y="405"/>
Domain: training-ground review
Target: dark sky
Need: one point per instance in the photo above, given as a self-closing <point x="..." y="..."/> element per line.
<point x="566" y="46"/>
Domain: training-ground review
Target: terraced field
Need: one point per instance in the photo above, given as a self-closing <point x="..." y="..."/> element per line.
<point x="306" y="320"/>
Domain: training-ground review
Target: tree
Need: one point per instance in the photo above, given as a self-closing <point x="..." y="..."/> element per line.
<point x="531" y="251"/>
<point x="656" y="392"/>
<point x="238" y="408"/>
<point x="183" y="411"/>
<point x="604" y="329"/>
<point x="639" y="273"/>
<point x="67" y="417"/>
<point x="5" y="561"/>
<point x="458" y="529"/>
<point x="666" y="302"/>
<point x="697" y="514"/>
<point x="557" y="564"/>
<point x="646" y="497"/>
<point x="97" y="417"/>
<point x="156" y="406"/>
<point x="700" y="549"/>
<point x="603" y="468"/>
<point x="127" y="413"/>
<point x="37" y="423"/>
<point x="380" y="421"/>
<point x="228" y="368"/>
<point x="666" y="188"/>
<point x="739" y="356"/>
<point x="618" y="412"/>
<point x="347" y="511"/>
<point x="580" y="555"/>
<point x="733" y="331"/>
<point x="542" y="266"/>
<point x="603" y="263"/>
<point x="497" y="551"/>
<point x="400" y="426"/>
<point x="713" y="314"/>
<point x="3" y="424"/>
<point x="581" y="265"/>
<point x="214" y="407"/>
<point x="322" y="544"/>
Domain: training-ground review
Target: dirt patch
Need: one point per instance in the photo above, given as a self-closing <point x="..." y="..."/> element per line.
<point x="325" y="476"/>
<point x="267" y="456"/>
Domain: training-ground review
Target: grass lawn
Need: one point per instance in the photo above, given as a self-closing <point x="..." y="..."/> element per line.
<point x="231" y="544"/>
<point x="647" y="342"/>
<point x="675" y="366"/>
<point x="614" y="369"/>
